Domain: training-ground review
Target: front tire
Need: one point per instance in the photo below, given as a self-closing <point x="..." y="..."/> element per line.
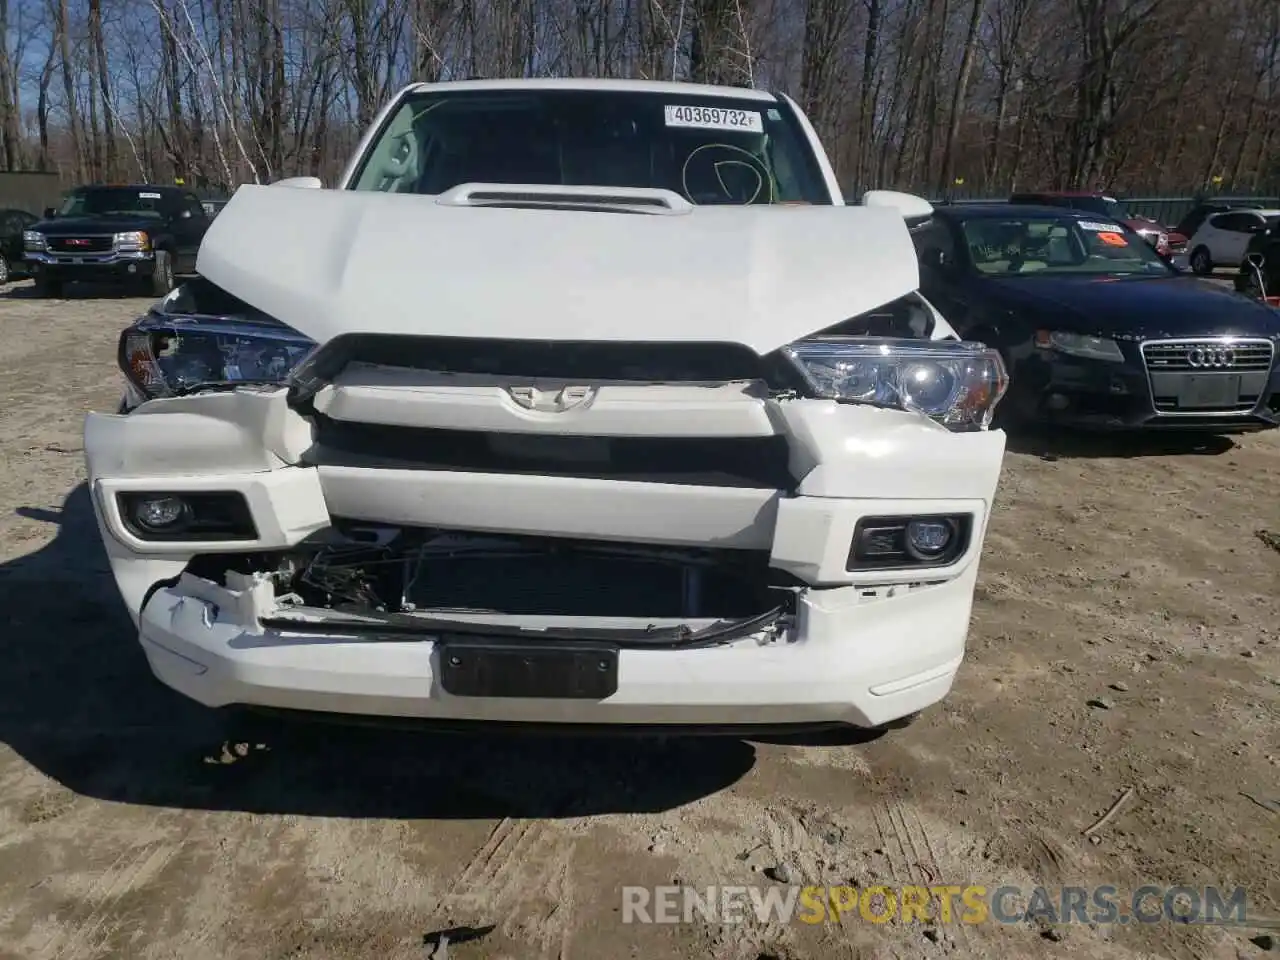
<point x="4" y="271"/>
<point x="1201" y="262"/>
<point x="162" y="275"/>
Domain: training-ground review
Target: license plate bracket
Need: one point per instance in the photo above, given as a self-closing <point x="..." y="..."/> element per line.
<point x="1209" y="390"/>
<point x="527" y="669"/>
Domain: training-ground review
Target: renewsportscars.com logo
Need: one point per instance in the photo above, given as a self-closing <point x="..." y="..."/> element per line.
<point x="941" y="903"/>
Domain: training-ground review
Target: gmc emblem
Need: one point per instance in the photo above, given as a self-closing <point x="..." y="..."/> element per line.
<point x="77" y="243"/>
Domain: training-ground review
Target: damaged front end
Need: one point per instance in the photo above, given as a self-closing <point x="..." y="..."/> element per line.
<point x="385" y="523"/>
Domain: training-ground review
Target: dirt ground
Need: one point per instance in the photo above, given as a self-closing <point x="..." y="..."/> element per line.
<point x="1126" y="634"/>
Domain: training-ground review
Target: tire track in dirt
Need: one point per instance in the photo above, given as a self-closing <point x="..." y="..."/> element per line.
<point x="91" y="925"/>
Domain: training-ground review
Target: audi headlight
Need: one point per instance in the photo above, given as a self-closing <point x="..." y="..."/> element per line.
<point x="1080" y="345"/>
<point x="33" y="240"/>
<point x="164" y="356"/>
<point x="132" y="240"/>
<point x="954" y="382"/>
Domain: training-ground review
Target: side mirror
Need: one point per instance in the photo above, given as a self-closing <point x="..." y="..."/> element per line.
<point x="50" y="213"/>
<point x="908" y="205"/>
<point x="306" y="183"/>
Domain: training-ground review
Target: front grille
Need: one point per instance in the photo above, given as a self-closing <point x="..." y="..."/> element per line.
<point x="1205" y="376"/>
<point x="1207" y="356"/>
<point x="80" y="244"/>
<point x="751" y="462"/>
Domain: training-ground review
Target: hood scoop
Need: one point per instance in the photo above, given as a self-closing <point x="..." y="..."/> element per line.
<point x="600" y="199"/>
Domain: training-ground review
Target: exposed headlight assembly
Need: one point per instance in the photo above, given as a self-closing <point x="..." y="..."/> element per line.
<point x="33" y="240"/>
<point x="164" y="355"/>
<point x="954" y="382"/>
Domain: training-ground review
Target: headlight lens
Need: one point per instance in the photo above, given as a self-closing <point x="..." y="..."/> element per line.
<point x="132" y="240"/>
<point x="954" y="382"/>
<point x="165" y="357"/>
<point x="1080" y="345"/>
<point x="33" y="240"/>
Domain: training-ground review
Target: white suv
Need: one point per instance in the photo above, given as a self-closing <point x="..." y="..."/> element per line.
<point x="579" y="402"/>
<point x="1223" y="238"/>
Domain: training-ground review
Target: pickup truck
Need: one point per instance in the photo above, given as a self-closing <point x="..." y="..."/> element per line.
<point x="585" y="404"/>
<point x="140" y="234"/>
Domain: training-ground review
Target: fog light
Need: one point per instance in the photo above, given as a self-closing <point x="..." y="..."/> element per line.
<point x="160" y="513"/>
<point x="903" y="543"/>
<point x="927" y="539"/>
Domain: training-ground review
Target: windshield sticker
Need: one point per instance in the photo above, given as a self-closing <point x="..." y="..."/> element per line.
<point x="148" y="196"/>
<point x="1098" y="227"/>
<point x="713" y="118"/>
<point x="1113" y="239"/>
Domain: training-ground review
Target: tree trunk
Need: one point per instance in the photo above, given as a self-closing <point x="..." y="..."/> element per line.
<point x="958" y="95"/>
<point x="104" y="90"/>
<point x="69" y="89"/>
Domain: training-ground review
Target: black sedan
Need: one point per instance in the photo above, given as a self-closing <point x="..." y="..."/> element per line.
<point x="12" y="223"/>
<point x="1097" y="330"/>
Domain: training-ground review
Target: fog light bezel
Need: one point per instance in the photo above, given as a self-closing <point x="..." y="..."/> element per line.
<point x="900" y="555"/>
<point x="209" y="516"/>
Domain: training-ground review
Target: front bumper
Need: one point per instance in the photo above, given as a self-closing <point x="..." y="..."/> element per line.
<point x="112" y="265"/>
<point x="1060" y="389"/>
<point x="863" y="649"/>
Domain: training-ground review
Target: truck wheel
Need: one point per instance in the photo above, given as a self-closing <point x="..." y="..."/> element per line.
<point x="4" y="271"/>
<point x="162" y="276"/>
<point x="1201" y="262"/>
<point x="47" y="286"/>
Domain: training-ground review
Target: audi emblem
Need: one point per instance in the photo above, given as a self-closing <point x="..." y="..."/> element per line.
<point x="1213" y="357"/>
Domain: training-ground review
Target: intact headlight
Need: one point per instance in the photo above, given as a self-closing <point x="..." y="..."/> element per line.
<point x="165" y="356"/>
<point x="1080" y="345"/>
<point x="954" y="382"/>
<point x="131" y="240"/>
<point x="33" y="240"/>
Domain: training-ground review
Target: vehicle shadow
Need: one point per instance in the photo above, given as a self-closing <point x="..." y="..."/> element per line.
<point x="1054" y="444"/>
<point x="78" y="702"/>
<point x="26" y="290"/>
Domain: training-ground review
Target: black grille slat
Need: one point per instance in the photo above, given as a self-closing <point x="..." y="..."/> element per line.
<point x="1173" y="356"/>
<point x="744" y="462"/>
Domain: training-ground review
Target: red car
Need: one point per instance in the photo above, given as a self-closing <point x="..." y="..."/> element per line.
<point x="1100" y="203"/>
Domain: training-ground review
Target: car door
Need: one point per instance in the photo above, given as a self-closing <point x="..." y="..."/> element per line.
<point x="1236" y="237"/>
<point x="1214" y="234"/>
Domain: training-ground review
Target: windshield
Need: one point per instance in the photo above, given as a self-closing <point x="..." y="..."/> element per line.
<point x="123" y="200"/>
<point x="710" y="150"/>
<point x="1053" y="246"/>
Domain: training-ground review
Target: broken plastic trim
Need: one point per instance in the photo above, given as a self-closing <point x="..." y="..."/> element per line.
<point x="411" y="628"/>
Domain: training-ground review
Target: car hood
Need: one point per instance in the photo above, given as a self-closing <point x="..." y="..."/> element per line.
<point x="1134" y="307"/>
<point x="329" y="262"/>
<point x="66" y="226"/>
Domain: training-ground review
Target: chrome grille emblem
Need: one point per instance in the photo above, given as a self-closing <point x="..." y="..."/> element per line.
<point x="1211" y="357"/>
<point x="550" y="401"/>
